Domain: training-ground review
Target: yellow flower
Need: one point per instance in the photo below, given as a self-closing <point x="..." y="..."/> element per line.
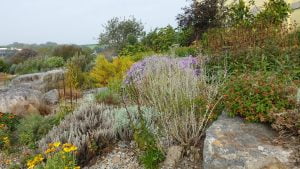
<point x="6" y="140"/>
<point x="56" y="144"/>
<point x="77" y="167"/>
<point x="37" y="159"/>
<point x="2" y="126"/>
<point x="50" y="150"/>
<point x="8" y="162"/>
<point x="69" y="147"/>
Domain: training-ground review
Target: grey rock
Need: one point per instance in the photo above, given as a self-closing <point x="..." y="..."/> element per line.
<point x="51" y="97"/>
<point x="43" y="82"/>
<point x="231" y="143"/>
<point x="17" y="100"/>
<point x="173" y="156"/>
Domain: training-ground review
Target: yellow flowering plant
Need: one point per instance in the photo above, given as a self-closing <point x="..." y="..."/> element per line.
<point x="57" y="155"/>
<point x="8" y="123"/>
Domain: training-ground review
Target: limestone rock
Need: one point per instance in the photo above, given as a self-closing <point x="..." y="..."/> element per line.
<point x="173" y="156"/>
<point x="231" y="143"/>
<point x="43" y="82"/>
<point x="51" y="97"/>
<point x="20" y="100"/>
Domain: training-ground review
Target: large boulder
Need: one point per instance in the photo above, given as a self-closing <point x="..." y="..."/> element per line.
<point x="51" y="97"/>
<point x="231" y="143"/>
<point x="21" y="100"/>
<point x="43" y="82"/>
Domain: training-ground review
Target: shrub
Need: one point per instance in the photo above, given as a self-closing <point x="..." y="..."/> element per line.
<point x="123" y="125"/>
<point x="142" y="68"/>
<point x="4" y="67"/>
<point x="272" y="50"/>
<point x="66" y="51"/>
<point x="108" y="97"/>
<point x="8" y="123"/>
<point x="37" y="64"/>
<point x="56" y="156"/>
<point x="257" y="95"/>
<point x="184" y="99"/>
<point x="275" y="12"/>
<point x="160" y="40"/>
<point x="92" y="127"/>
<point x="186" y="51"/>
<point x="53" y="62"/>
<point x="23" y="55"/>
<point x="89" y="128"/>
<point x="151" y="156"/>
<point x="105" y="71"/>
<point x="131" y="50"/>
<point x="33" y="127"/>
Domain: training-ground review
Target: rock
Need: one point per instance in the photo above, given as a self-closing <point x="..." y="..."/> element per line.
<point x="173" y="156"/>
<point x="20" y="100"/>
<point x="231" y="143"/>
<point x="43" y="82"/>
<point x="51" y="97"/>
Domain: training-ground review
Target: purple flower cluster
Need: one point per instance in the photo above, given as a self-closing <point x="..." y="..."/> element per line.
<point x="140" y="69"/>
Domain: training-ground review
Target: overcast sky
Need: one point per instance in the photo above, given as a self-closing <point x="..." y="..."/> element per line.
<point x="77" y="21"/>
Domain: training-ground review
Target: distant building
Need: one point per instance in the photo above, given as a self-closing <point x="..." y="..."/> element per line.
<point x="6" y="52"/>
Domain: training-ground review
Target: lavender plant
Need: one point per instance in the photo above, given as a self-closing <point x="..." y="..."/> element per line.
<point x="141" y="69"/>
<point x="174" y="87"/>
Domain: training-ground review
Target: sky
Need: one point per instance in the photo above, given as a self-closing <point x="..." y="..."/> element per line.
<point x="77" y="21"/>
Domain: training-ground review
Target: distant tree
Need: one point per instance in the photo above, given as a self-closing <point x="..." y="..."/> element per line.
<point x="119" y="33"/>
<point x="67" y="51"/>
<point x="275" y="12"/>
<point x="160" y="39"/>
<point x="3" y="66"/>
<point x="23" y="55"/>
<point x="201" y="15"/>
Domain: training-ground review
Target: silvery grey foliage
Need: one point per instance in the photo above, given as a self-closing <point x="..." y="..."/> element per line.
<point x="90" y="125"/>
<point x="94" y="126"/>
<point x="122" y="123"/>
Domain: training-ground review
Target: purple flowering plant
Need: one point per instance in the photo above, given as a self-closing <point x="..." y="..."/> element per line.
<point x="139" y="70"/>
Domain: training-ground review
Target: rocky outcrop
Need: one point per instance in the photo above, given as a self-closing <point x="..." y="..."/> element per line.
<point x="25" y="93"/>
<point x="20" y="100"/>
<point x="51" y="97"/>
<point x="43" y="82"/>
<point x="231" y="143"/>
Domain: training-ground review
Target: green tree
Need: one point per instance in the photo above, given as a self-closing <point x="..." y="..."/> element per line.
<point x="201" y="16"/>
<point x="3" y="66"/>
<point x="240" y="14"/>
<point x="275" y="12"/>
<point x="161" y="39"/>
<point x="119" y="33"/>
<point x="67" y="51"/>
